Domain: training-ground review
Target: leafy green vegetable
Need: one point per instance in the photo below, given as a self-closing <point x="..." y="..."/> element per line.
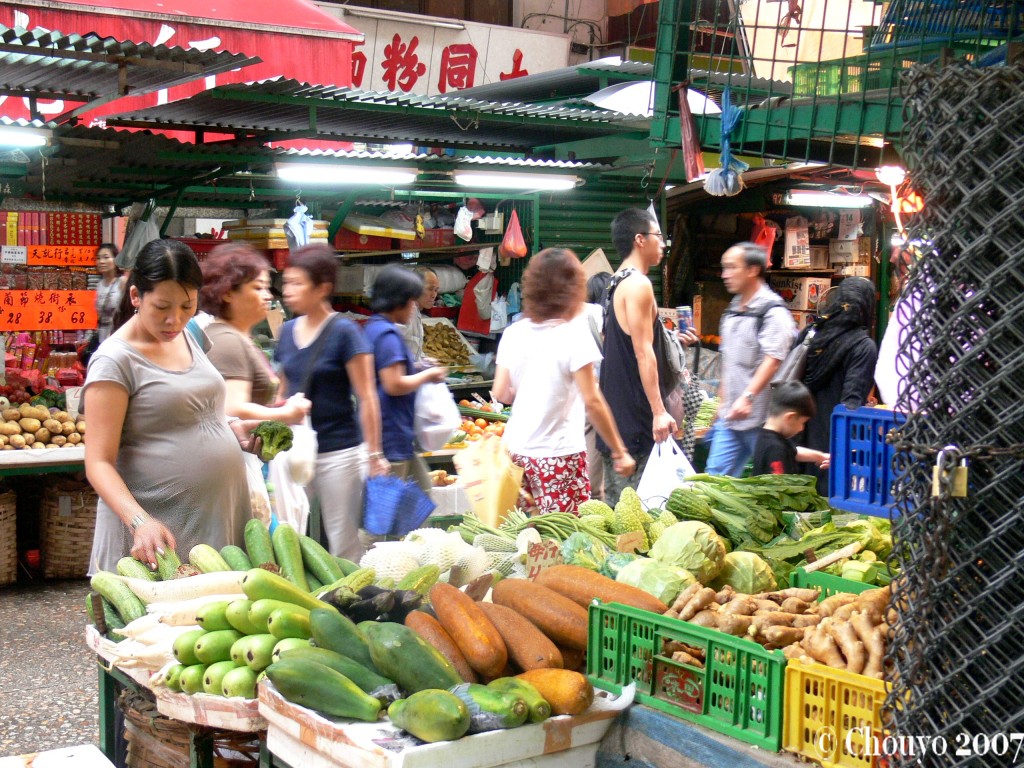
<point x="665" y="582"/>
<point x="584" y="550"/>
<point x="745" y="572"/>
<point x="691" y="545"/>
<point x="615" y="562"/>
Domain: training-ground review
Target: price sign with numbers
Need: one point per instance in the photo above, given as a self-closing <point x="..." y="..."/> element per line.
<point x="13" y="254"/>
<point x="47" y="310"/>
<point x="61" y="255"/>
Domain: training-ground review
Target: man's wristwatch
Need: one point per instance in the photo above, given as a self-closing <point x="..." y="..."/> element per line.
<point x="750" y="396"/>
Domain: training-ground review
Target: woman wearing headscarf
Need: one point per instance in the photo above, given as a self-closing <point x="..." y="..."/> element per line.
<point x="840" y="362"/>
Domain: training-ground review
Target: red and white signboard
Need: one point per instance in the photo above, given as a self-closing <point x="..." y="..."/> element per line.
<point x="420" y="58"/>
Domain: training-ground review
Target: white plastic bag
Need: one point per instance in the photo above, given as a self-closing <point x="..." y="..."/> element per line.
<point x="436" y="417"/>
<point x="259" y="499"/>
<point x="499" y="314"/>
<point x="464" y="224"/>
<point x="666" y="470"/>
<point x="301" y="456"/>
<point x="291" y="505"/>
<point x="482" y="293"/>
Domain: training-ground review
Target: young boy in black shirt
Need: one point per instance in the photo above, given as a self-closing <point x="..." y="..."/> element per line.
<point x="792" y="405"/>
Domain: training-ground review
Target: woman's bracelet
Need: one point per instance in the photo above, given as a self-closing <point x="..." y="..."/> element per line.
<point x="138" y="521"/>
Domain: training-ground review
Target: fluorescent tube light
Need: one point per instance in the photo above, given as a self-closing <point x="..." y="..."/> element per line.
<point x="326" y="173"/>
<point x="23" y="138"/>
<point x="500" y="180"/>
<point x="811" y="199"/>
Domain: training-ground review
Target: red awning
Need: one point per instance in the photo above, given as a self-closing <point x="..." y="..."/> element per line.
<point x="280" y="15"/>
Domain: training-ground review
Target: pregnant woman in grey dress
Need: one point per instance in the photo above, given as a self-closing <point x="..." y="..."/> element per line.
<point x="168" y="470"/>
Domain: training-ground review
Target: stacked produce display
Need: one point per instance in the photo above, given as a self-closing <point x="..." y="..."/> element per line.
<point x="480" y="628"/>
<point x="36" y="426"/>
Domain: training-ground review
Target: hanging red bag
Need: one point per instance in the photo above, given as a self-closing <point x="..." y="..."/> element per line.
<point x="513" y="246"/>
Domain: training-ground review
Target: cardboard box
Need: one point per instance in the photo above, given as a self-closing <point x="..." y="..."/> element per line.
<point x="800" y="293"/>
<point x="850" y="251"/>
<point x="797" y="251"/>
<point x="803" y="319"/>
<point x="346" y="240"/>
<point x="708" y="305"/>
<point x="819" y="256"/>
<point x="854" y="270"/>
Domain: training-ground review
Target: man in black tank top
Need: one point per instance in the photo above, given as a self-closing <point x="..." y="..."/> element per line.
<point x="629" y="378"/>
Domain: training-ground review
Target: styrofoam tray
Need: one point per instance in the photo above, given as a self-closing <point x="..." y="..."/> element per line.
<point x="465" y="343"/>
<point x="73" y="455"/>
<point x="302" y="735"/>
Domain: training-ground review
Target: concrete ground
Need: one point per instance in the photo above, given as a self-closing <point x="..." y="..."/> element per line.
<point x="48" y="678"/>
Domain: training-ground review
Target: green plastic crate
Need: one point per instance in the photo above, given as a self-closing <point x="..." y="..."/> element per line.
<point x="740" y="691"/>
<point x="827" y="583"/>
<point x="442" y="521"/>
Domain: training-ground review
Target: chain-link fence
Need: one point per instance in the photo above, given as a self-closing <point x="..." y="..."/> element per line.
<point x="957" y="650"/>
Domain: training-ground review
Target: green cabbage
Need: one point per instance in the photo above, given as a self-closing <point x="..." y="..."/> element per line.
<point x="584" y="550"/>
<point x="745" y="572"/>
<point x="691" y="545"/>
<point x="615" y="562"/>
<point x="664" y="582"/>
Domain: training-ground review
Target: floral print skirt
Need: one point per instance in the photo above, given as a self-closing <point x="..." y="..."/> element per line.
<point x="558" y="484"/>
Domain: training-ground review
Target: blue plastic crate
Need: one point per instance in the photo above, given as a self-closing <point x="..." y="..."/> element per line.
<point x="860" y="478"/>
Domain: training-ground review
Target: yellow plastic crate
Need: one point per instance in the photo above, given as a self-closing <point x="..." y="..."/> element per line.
<point x="832" y="716"/>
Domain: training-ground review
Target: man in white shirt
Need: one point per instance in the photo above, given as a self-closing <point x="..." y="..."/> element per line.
<point x="413" y="330"/>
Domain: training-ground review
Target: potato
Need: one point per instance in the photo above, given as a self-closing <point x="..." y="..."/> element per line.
<point x="68" y="428"/>
<point x="18" y="441"/>
<point x="12" y="414"/>
<point x="58" y="440"/>
<point x="68" y="445"/>
<point x="3" y="440"/>
<point x="53" y="425"/>
<point x="37" y="446"/>
<point x="30" y="425"/>
<point x="80" y="427"/>
<point x="29" y="437"/>
<point x="73" y="439"/>
<point x="26" y="408"/>
<point x="7" y="448"/>
<point x="34" y="412"/>
<point x="43" y="435"/>
<point x="60" y="416"/>
<point x="10" y="428"/>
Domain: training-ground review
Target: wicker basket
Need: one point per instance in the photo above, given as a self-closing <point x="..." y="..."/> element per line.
<point x="155" y="741"/>
<point x="68" y="522"/>
<point x="8" y="537"/>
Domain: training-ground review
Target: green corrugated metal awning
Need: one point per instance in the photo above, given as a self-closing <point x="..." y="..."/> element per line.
<point x="287" y="109"/>
<point x="90" y="70"/>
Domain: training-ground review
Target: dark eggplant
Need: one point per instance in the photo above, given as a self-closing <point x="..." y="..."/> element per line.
<point x="341" y="598"/>
<point x="371" y="590"/>
<point x="406" y="601"/>
<point x="371" y="608"/>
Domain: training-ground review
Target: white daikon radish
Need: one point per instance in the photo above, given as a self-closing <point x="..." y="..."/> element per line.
<point x="176" y="590"/>
<point x="182" y="613"/>
<point x="140" y="625"/>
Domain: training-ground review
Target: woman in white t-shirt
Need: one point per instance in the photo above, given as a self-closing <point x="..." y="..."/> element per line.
<point x="545" y="368"/>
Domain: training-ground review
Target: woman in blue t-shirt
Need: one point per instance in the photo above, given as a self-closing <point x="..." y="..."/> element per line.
<point x="326" y="358"/>
<point x="393" y="300"/>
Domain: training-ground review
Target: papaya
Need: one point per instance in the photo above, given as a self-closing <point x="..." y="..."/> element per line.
<point x="431" y="715"/>
<point x="321" y="688"/>
<point x="401" y="655"/>
<point x="539" y="708"/>
<point x="491" y="709"/>
<point x="568" y="693"/>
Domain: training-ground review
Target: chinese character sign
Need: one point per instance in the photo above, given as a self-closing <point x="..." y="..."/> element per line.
<point x="421" y="59"/>
<point x="47" y="310"/>
<point x="402" y="66"/>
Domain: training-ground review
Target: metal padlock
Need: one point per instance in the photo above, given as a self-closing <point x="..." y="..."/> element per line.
<point x="959" y="489"/>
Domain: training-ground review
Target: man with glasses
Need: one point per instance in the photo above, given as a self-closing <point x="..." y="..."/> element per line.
<point x="630" y="378"/>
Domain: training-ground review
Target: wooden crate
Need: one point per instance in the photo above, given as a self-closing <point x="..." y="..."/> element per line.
<point x="68" y="522"/>
<point x="8" y="538"/>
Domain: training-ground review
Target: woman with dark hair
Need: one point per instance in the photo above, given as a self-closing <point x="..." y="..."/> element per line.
<point x="393" y="299"/>
<point x="236" y="292"/>
<point x="325" y="358"/>
<point x="108" y="290"/>
<point x="167" y="468"/>
<point x="840" y="362"/>
<point x="545" y="368"/>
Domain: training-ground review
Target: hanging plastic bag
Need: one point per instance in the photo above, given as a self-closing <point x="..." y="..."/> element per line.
<point x="514" y="299"/>
<point x="483" y="293"/>
<point x="302" y="455"/>
<point x="492" y="481"/>
<point x="259" y="499"/>
<point x="436" y="416"/>
<point x="666" y="470"/>
<point x="499" y="314"/>
<point x="763" y="232"/>
<point x="513" y="246"/>
<point x="464" y="224"/>
<point x="486" y="261"/>
<point x="291" y="505"/>
<point x="142" y="232"/>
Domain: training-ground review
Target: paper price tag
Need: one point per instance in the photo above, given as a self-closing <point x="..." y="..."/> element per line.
<point x="629" y="542"/>
<point x="541" y="556"/>
<point x="13" y="254"/>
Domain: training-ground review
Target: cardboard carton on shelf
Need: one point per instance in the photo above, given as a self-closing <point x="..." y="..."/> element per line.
<point x="800" y="293"/>
<point x="850" y="251"/>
